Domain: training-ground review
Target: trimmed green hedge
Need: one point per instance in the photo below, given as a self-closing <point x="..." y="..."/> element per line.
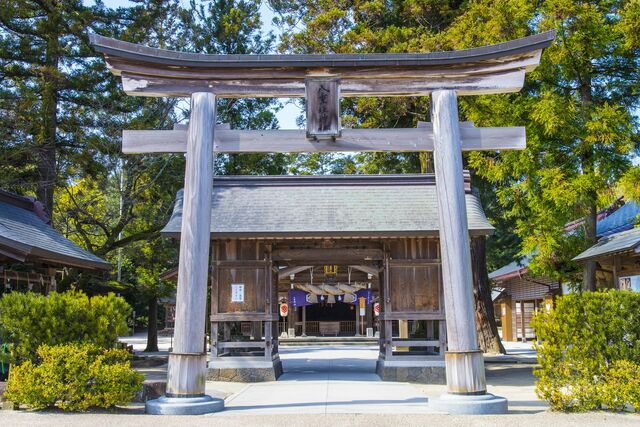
<point x="32" y="320"/>
<point x="589" y="352"/>
<point x="74" y="378"/>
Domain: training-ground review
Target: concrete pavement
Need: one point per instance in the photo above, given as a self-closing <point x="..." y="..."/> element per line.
<point x="328" y="379"/>
<point x="342" y="379"/>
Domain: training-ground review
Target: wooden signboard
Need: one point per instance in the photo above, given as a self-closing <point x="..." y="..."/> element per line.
<point x="323" y="107"/>
<point x="237" y="292"/>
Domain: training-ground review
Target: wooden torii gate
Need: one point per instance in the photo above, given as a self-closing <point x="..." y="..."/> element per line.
<point x="323" y="80"/>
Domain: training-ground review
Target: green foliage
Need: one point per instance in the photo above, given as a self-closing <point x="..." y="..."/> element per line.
<point x="589" y="351"/>
<point x="61" y="318"/>
<point x="582" y="129"/>
<point x="621" y="386"/>
<point x="579" y="106"/>
<point x="62" y="115"/>
<point x="630" y="184"/>
<point x="74" y="377"/>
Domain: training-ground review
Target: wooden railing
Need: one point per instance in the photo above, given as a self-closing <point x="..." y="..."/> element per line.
<point x="23" y="281"/>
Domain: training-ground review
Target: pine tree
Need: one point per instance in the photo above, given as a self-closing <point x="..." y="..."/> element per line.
<point x="47" y="91"/>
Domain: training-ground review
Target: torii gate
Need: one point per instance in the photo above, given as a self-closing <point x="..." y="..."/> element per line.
<point x="323" y="80"/>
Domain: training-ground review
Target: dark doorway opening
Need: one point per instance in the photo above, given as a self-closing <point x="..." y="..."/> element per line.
<point x="338" y="311"/>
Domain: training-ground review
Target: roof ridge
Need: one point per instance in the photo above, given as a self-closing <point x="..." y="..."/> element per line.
<point x="330" y="180"/>
<point x="28" y="203"/>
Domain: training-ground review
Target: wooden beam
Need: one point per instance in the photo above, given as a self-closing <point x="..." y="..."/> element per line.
<point x="295" y="141"/>
<point x="13" y="254"/>
<point x="411" y="315"/>
<point x="241" y="263"/>
<point x="241" y="344"/>
<point x="473" y="84"/>
<point x="489" y="69"/>
<point x="415" y="343"/>
<point x="286" y="272"/>
<point x="244" y="316"/>
<point x="418" y="262"/>
<point x="125" y="56"/>
<point x="328" y="255"/>
<point x="367" y="269"/>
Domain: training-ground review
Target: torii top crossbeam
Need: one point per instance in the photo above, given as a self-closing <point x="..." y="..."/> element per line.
<point x="491" y="69"/>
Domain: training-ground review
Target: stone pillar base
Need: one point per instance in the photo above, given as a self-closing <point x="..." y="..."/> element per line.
<point x="465" y="404"/>
<point x="243" y="371"/>
<point x="427" y="372"/>
<point x="184" y="405"/>
<point x="465" y="372"/>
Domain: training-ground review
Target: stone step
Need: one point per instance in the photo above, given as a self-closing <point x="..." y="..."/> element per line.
<point x="298" y="341"/>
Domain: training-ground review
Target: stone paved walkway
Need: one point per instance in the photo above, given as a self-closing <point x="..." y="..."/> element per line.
<point x="325" y="380"/>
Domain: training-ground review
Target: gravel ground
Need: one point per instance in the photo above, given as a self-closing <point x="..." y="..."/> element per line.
<point x="546" y="419"/>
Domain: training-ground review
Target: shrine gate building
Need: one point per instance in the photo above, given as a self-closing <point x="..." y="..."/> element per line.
<point x="330" y="237"/>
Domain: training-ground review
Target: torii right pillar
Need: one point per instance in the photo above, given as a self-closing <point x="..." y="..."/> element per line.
<point x="466" y="385"/>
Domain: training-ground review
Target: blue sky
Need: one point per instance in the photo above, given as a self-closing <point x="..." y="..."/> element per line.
<point x="286" y="116"/>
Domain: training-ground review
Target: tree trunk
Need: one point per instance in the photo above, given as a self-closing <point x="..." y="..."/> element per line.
<point x="426" y="162"/>
<point x="488" y="338"/>
<point x="588" y="166"/>
<point x="589" y="272"/>
<point x="152" y="330"/>
<point x="46" y="138"/>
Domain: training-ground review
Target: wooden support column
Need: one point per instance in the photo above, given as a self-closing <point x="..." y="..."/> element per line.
<point x="463" y="359"/>
<point x="506" y="319"/>
<point x="304" y="320"/>
<point x="522" y="325"/>
<point x="187" y="363"/>
<point x="616" y="272"/>
<point x="292" y="319"/>
<point x="430" y="331"/>
<point x="256" y="331"/>
<point x="403" y="332"/>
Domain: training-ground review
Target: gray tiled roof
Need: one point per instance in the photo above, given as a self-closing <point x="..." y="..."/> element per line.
<point x="619" y="242"/>
<point x="23" y="231"/>
<point x="337" y="206"/>
<point x="512" y="267"/>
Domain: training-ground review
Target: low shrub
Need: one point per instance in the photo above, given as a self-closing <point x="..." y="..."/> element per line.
<point x="621" y="386"/>
<point x="589" y="351"/>
<point x="59" y="318"/>
<point x="5" y="351"/>
<point x="74" y="377"/>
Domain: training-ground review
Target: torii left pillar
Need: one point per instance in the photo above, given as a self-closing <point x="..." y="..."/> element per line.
<point x="186" y="374"/>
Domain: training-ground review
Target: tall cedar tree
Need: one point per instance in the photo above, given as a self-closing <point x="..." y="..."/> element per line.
<point x="578" y="108"/>
<point x="374" y="27"/>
